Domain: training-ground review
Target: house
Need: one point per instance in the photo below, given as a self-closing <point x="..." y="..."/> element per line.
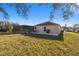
<point x="68" y="29"/>
<point x="64" y="28"/>
<point x="27" y="28"/>
<point x="76" y="28"/>
<point x="48" y="28"/>
<point x="22" y="28"/>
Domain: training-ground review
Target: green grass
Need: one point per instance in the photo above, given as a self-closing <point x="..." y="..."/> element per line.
<point x="20" y="45"/>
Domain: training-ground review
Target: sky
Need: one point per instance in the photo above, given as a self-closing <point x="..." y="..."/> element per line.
<point x="39" y="14"/>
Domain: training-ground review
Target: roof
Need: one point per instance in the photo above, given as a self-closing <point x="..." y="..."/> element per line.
<point x="27" y="27"/>
<point x="76" y="25"/>
<point x="67" y="27"/>
<point x="46" y="23"/>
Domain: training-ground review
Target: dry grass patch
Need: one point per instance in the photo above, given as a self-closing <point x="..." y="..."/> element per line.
<point x="17" y="44"/>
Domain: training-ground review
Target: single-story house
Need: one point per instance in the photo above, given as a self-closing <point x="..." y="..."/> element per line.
<point x="22" y="28"/>
<point x="27" y="28"/>
<point x="48" y="28"/>
<point x="64" y="28"/>
<point x="68" y="29"/>
<point x="76" y="28"/>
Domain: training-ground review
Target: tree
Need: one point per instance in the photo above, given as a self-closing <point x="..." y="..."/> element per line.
<point x="3" y="27"/>
<point x="67" y="9"/>
<point x="22" y="9"/>
<point x="9" y="26"/>
<point x="6" y="26"/>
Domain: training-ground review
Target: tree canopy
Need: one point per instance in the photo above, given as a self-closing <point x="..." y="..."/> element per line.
<point x="22" y="9"/>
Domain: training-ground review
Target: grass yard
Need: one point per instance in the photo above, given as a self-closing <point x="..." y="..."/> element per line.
<point x="17" y="44"/>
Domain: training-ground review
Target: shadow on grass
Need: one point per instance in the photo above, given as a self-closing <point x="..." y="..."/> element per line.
<point x="6" y="33"/>
<point x="49" y="37"/>
<point x="60" y="37"/>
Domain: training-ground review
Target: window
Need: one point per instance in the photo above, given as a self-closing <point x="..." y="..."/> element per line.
<point x="44" y="28"/>
<point x="47" y="31"/>
<point x="35" y="28"/>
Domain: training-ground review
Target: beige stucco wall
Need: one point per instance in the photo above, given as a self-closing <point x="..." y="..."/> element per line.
<point x="54" y="29"/>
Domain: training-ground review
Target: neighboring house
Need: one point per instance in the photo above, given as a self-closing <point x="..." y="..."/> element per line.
<point x="22" y="28"/>
<point x="68" y="29"/>
<point x="76" y="28"/>
<point x="48" y="28"/>
<point x="27" y="28"/>
<point x="64" y="28"/>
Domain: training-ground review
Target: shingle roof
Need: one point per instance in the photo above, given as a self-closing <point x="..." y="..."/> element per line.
<point x="27" y="27"/>
<point x="76" y="25"/>
<point x="46" y="23"/>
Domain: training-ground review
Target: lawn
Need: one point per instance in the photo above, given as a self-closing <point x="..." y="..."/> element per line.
<point x="20" y="45"/>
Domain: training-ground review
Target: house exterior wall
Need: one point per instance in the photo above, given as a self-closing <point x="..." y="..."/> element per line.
<point x="76" y="28"/>
<point x="54" y="29"/>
